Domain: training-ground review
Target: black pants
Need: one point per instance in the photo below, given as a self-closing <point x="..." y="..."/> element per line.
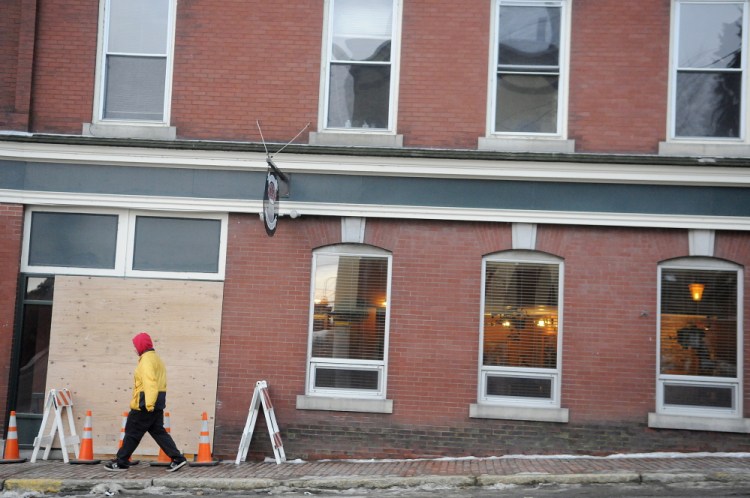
<point x="138" y="424"/>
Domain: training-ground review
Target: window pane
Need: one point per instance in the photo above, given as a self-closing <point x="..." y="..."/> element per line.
<point x="362" y="29"/>
<point x="135" y="88"/>
<point x="335" y="378"/>
<point x="73" y="239"/>
<point x="177" y="244"/>
<point x="138" y="26"/>
<point x="39" y="288"/>
<point x="699" y="325"/>
<point x="359" y="96"/>
<point x="521" y="318"/>
<point x="34" y="350"/>
<point x="698" y="396"/>
<point x="710" y="35"/>
<point x="529" y="36"/>
<point x="526" y="104"/>
<point x="708" y="104"/>
<point x="519" y="387"/>
<point x="350" y="305"/>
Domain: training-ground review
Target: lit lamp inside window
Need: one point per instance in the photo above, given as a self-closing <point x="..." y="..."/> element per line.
<point x="696" y="291"/>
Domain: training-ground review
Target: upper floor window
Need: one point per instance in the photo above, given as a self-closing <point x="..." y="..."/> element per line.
<point x="115" y="242"/>
<point x="528" y="90"/>
<point x="708" y="70"/>
<point x="521" y="329"/>
<point x="135" y="70"/>
<point x="349" y="321"/>
<point x="700" y="338"/>
<point x="360" y="49"/>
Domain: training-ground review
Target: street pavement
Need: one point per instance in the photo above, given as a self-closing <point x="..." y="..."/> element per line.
<point x="55" y="476"/>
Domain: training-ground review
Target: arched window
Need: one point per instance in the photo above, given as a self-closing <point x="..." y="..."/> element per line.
<point x="348" y="339"/>
<point x="521" y="329"/>
<point x="700" y="338"/>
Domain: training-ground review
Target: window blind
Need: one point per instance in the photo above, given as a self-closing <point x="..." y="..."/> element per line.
<point x="699" y="322"/>
<point x="520" y="314"/>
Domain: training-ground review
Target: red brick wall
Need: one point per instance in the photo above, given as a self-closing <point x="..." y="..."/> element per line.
<point x="608" y="357"/>
<point x="238" y="62"/>
<point x="735" y="247"/>
<point x="265" y="317"/>
<point x="11" y="231"/>
<point x="63" y="83"/>
<point x="443" y="83"/>
<point x="9" y="28"/>
<point x="618" y="75"/>
<point x="609" y="321"/>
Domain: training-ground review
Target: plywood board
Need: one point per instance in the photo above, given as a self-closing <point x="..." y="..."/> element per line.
<point x="91" y="352"/>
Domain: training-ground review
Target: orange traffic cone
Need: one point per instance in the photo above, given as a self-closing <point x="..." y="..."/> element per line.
<point x="86" y="453"/>
<point x="203" y="458"/>
<point x="163" y="459"/>
<point x="122" y="437"/>
<point x="12" y="454"/>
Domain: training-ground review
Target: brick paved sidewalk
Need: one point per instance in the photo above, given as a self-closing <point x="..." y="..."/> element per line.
<point x="383" y="473"/>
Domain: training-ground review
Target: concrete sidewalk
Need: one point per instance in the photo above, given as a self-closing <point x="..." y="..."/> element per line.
<point x="57" y="476"/>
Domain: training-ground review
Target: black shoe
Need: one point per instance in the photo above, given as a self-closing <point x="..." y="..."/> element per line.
<point x="175" y="466"/>
<point x="114" y="467"/>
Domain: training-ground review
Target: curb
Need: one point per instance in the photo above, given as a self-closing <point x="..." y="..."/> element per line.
<point x="533" y="479"/>
<point x="42" y="485"/>
<point x="222" y="483"/>
<point x="67" y="485"/>
<point x="345" y="482"/>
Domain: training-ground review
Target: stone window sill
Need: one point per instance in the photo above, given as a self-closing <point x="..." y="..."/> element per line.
<point x="344" y="404"/>
<point x="358" y="139"/>
<point x="559" y="415"/>
<point x="118" y="130"/>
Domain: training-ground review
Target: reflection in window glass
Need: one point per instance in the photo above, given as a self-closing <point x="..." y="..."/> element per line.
<point x="528" y="68"/>
<point x="359" y="85"/>
<point x="34" y="345"/>
<point x="73" y="239"/>
<point x="177" y="244"/>
<point x="708" y="81"/>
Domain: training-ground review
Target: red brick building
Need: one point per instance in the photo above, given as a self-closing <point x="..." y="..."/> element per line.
<point x="510" y="226"/>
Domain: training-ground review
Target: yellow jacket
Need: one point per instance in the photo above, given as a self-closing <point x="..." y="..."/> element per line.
<point x="149" y="383"/>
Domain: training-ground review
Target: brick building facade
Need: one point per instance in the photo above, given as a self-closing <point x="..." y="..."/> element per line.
<point x="510" y="226"/>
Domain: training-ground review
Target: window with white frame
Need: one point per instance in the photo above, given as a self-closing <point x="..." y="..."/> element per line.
<point x="700" y="338"/>
<point x="135" y="70"/>
<point x="708" y="73"/>
<point x="528" y="72"/>
<point x="361" y="51"/>
<point x="349" y="316"/>
<point x="521" y="329"/>
<point x="124" y="243"/>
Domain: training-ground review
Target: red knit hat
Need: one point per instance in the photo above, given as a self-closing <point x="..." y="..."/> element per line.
<point x="142" y="343"/>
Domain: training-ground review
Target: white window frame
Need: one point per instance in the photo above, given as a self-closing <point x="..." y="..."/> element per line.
<point x="325" y="76"/>
<point x="554" y="375"/>
<point x="564" y="62"/>
<point x="124" y="245"/>
<point x="100" y="81"/>
<point x="381" y="366"/>
<point x="735" y="384"/>
<point x="676" y="145"/>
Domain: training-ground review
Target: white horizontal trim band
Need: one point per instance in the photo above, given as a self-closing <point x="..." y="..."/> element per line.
<point x="380" y="211"/>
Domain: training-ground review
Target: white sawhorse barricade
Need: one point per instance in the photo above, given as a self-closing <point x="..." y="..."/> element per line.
<point x="60" y="401"/>
<point x="261" y="397"/>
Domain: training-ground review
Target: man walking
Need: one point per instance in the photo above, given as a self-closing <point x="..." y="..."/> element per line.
<point x="147" y="409"/>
